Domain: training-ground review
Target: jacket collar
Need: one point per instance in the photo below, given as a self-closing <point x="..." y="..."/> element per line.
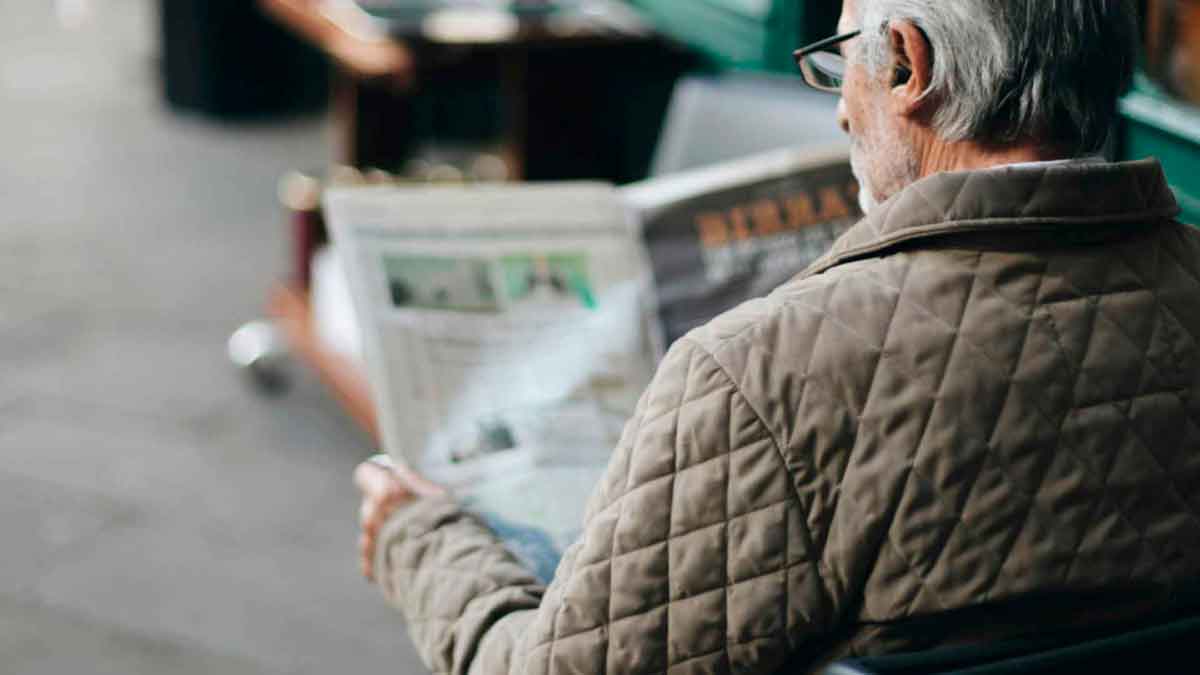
<point x="1031" y="198"/>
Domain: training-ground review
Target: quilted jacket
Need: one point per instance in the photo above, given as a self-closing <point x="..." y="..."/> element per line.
<point x="977" y="416"/>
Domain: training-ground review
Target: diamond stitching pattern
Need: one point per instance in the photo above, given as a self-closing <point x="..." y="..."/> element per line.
<point x="686" y="398"/>
<point x="932" y="477"/>
<point x="1077" y="369"/>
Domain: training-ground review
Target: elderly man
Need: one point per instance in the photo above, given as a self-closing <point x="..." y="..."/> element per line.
<point x="977" y="417"/>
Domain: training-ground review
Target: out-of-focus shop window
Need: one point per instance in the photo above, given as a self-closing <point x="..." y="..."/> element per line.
<point x="1173" y="46"/>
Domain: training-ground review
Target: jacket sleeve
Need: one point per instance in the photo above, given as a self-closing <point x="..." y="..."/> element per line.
<point x="695" y="556"/>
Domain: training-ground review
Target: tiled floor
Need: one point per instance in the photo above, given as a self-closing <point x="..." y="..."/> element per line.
<point x="156" y="516"/>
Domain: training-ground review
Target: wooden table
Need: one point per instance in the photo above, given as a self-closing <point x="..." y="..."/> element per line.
<point x="354" y="44"/>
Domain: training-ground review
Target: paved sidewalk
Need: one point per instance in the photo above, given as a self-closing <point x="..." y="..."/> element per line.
<point x="157" y="516"/>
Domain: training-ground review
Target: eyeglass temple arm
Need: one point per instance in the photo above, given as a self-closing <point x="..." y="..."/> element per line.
<point x="827" y="42"/>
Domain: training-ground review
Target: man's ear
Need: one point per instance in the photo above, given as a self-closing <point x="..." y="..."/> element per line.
<point x="912" y="65"/>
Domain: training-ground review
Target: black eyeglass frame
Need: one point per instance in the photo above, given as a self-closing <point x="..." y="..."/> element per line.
<point x="820" y="46"/>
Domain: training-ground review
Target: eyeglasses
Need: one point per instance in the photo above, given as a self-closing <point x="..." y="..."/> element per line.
<point x="822" y="67"/>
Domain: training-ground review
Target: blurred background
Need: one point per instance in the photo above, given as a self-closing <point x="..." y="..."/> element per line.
<point x="165" y="510"/>
<point x="157" y="515"/>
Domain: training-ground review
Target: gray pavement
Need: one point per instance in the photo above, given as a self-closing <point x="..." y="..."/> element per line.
<point x="156" y="515"/>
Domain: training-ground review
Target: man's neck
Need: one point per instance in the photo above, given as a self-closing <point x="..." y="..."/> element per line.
<point x="943" y="157"/>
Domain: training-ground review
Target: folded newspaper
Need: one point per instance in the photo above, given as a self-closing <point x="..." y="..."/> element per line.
<point x="508" y="330"/>
<point x="720" y="235"/>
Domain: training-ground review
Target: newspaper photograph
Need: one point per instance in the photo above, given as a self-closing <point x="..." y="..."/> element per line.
<point x="504" y="330"/>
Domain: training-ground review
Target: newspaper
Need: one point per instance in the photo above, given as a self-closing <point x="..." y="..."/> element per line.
<point x="721" y="235"/>
<point x="504" y="330"/>
<point x="508" y="330"/>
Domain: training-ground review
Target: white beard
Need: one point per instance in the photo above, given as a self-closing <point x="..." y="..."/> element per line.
<point x="867" y="201"/>
<point x="897" y="166"/>
<point x="882" y="162"/>
<point x="866" y="192"/>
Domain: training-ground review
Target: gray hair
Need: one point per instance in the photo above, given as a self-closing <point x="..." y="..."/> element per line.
<point x="1010" y="70"/>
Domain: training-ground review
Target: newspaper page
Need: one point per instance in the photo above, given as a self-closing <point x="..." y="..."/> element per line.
<point x="504" y="330"/>
<point x="721" y="235"/>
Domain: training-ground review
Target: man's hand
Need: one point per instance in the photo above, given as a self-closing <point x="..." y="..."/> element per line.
<point x="384" y="489"/>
